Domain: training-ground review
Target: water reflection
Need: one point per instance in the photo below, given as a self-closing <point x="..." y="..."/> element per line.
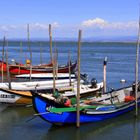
<point x="122" y="127"/>
<point x="136" y="129"/>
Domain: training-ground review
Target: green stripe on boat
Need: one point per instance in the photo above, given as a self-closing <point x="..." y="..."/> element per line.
<point x="68" y="109"/>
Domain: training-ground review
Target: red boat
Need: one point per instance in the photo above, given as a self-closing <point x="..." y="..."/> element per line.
<point x="4" y="65"/>
<point x="16" y="69"/>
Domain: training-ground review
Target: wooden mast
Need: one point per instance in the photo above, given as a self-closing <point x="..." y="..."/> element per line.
<point x="78" y="80"/>
<point x="50" y="36"/>
<point x="2" y="59"/>
<point x="104" y="74"/>
<point x="136" y="72"/>
<point x="28" y="32"/>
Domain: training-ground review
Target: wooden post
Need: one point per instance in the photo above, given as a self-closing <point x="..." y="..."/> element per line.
<point x="20" y="57"/>
<point x="54" y="68"/>
<point x="78" y="81"/>
<point x="69" y="61"/>
<point x="50" y="36"/>
<point x="40" y="53"/>
<point x="2" y="59"/>
<point x="28" y="32"/>
<point x="8" y="73"/>
<point x="56" y="63"/>
<point x="136" y="72"/>
<point x="104" y="74"/>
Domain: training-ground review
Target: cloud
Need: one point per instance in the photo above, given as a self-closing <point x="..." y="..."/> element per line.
<point x="99" y="23"/>
<point x="91" y="27"/>
<point x="33" y="26"/>
<point x="40" y="26"/>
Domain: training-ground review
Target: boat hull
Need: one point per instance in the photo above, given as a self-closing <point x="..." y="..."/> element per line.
<point x="40" y="106"/>
<point x="4" y="66"/>
<point x="24" y="70"/>
<point x="11" y="97"/>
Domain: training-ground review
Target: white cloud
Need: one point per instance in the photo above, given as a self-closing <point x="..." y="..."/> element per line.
<point x="33" y="26"/>
<point x="103" y="24"/>
<point x="40" y="26"/>
<point x="96" y="26"/>
<point x="94" y="22"/>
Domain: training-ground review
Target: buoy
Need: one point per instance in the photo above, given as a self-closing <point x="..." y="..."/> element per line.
<point x="27" y="61"/>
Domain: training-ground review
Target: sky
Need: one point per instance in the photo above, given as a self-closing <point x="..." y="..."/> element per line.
<point x="96" y="18"/>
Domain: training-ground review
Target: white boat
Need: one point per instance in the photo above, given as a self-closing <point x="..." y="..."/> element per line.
<point x="85" y="90"/>
<point x="36" y="85"/>
<point x="13" y="97"/>
<point x="17" y="97"/>
<point x="48" y="76"/>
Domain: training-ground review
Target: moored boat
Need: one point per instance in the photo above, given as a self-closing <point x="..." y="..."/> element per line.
<point x="15" y="69"/>
<point x="4" y="65"/>
<point x="13" y="97"/>
<point x="47" y="76"/>
<point x="36" y="85"/>
<point x="94" y="109"/>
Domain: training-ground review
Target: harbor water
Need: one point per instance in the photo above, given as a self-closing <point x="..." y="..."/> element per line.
<point x="20" y="122"/>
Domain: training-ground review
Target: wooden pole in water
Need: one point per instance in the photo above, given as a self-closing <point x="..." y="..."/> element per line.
<point x="78" y="80"/>
<point x="8" y="73"/>
<point x="28" y="32"/>
<point x="50" y="36"/>
<point x="136" y="72"/>
<point x="104" y="74"/>
<point x="20" y="57"/>
<point x="56" y="63"/>
<point x="2" y="59"/>
<point x="54" y="68"/>
<point x="69" y="68"/>
<point x="40" y="53"/>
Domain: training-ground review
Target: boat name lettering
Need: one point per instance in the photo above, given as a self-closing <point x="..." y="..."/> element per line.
<point x="6" y="96"/>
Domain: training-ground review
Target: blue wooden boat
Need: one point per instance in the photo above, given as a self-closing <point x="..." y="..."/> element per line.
<point x="114" y="103"/>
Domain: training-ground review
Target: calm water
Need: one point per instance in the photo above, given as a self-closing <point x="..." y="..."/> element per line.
<point x="17" y="122"/>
